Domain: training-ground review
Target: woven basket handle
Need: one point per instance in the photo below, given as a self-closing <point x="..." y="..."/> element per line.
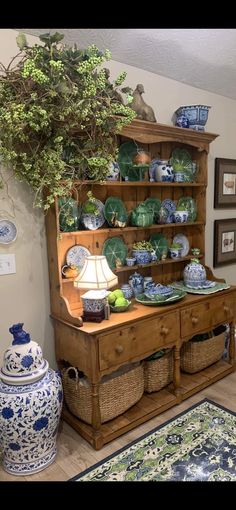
<point x="76" y="375"/>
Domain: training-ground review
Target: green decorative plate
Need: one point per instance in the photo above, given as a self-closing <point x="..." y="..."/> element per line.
<point x="160" y="244"/>
<point x="190" y="204"/>
<point x="181" y="160"/>
<point x="161" y="300"/>
<point x="114" y="249"/>
<point x="115" y="210"/>
<point x="128" y="170"/>
<point x="155" y="205"/>
<point x="211" y="290"/>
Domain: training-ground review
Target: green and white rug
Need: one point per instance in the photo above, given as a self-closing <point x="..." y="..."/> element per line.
<point x="197" y="445"/>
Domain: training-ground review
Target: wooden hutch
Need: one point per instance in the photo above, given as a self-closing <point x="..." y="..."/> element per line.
<point x="99" y="349"/>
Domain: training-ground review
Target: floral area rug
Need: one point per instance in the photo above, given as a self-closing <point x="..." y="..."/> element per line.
<point x="197" y="445"/>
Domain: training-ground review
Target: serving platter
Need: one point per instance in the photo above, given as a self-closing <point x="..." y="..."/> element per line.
<point x="159" y="300"/>
<point x="208" y="289"/>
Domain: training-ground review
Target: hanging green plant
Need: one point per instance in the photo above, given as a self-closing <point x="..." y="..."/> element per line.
<point x="59" y="116"/>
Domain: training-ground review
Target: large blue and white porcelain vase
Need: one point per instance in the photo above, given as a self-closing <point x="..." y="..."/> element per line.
<point x="194" y="274"/>
<point x="30" y="406"/>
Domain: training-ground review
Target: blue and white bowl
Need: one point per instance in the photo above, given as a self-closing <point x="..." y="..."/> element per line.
<point x="180" y="216"/>
<point x="142" y="256"/>
<point x="160" y="290"/>
<point x="197" y="115"/>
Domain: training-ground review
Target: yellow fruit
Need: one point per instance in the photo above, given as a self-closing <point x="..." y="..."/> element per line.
<point x="118" y="293"/>
<point x="111" y="298"/>
<point x="121" y="301"/>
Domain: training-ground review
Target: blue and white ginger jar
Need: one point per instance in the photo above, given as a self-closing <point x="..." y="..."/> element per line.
<point x="194" y="274"/>
<point x="30" y="406"/>
<point x="136" y="282"/>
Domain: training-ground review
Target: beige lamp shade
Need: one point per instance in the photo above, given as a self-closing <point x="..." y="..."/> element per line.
<point x="96" y="274"/>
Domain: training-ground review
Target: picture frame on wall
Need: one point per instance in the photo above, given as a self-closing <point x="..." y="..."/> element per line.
<point x="224" y="242"/>
<point x="225" y="183"/>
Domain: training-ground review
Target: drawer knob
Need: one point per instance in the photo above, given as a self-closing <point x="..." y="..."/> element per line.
<point x="164" y="331"/>
<point x="194" y="320"/>
<point x="226" y="309"/>
<point x="119" y="349"/>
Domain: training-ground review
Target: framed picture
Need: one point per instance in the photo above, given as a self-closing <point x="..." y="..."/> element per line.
<point x="225" y="183"/>
<point x="225" y="242"/>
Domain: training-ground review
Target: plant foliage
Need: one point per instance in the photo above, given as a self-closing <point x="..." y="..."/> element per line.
<point x="59" y="115"/>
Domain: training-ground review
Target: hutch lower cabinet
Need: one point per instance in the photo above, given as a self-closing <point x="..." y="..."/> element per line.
<point x="99" y="349"/>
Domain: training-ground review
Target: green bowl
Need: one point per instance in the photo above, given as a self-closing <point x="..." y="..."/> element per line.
<point x="120" y="308"/>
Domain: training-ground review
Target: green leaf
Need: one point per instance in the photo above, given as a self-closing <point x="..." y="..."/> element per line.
<point x="57" y="37"/>
<point x="21" y="41"/>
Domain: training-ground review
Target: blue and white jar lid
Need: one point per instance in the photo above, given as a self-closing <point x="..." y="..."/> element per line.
<point x="23" y="361"/>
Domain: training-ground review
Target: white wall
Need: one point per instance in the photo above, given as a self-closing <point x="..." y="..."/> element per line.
<point x="24" y="297"/>
<point x="165" y="96"/>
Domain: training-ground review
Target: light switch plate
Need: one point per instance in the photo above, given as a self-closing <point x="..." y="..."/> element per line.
<point x="7" y="263"/>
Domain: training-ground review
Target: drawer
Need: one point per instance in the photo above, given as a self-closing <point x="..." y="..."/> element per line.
<point x="207" y="315"/>
<point x="139" y="339"/>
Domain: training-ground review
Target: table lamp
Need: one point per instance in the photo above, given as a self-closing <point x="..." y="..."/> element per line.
<point x="96" y="276"/>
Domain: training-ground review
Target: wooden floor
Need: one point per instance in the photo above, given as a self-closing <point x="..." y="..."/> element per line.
<point x="75" y="454"/>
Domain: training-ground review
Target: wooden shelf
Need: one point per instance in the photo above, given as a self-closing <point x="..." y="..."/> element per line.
<point x="142" y="183"/>
<point x="157" y="263"/>
<point x="139" y="266"/>
<point x="115" y="230"/>
<point x="193" y="383"/>
<point x="148" y="407"/>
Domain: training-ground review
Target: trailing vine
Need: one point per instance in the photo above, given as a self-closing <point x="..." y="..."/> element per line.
<point x="59" y="116"/>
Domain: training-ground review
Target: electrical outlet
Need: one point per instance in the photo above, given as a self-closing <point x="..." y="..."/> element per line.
<point x="7" y="263"/>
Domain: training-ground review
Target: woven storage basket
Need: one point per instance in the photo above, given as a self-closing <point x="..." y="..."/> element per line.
<point x="198" y="355"/>
<point x="117" y="393"/>
<point x="158" y="372"/>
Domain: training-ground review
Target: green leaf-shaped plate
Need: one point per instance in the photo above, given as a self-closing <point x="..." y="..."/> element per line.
<point x="115" y="209"/>
<point x="181" y="160"/>
<point x="115" y="249"/>
<point x="128" y="170"/>
<point x="159" y="243"/>
<point x="154" y="204"/>
<point x="190" y="205"/>
<point x="161" y="300"/>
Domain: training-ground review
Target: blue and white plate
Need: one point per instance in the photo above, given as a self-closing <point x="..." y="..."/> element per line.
<point x="76" y="255"/>
<point x="182" y="239"/>
<point x="94" y="221"/>
<point x="8" y="232"/>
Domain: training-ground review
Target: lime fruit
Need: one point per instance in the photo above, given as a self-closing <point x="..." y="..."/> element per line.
<point x="118" y="293"/>
<point x="121" y="301"/>
<point x="111" y="298"/>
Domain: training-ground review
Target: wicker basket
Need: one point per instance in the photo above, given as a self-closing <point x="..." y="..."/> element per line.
<point x="118" y="392"/>
<point x="198" y="355"/>
<point x="158" y="372"/>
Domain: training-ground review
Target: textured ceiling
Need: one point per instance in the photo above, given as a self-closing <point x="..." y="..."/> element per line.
<point x="203" y="58"/>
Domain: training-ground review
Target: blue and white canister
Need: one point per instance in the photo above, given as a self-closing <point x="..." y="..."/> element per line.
<point x="163" y="171"/>
<point x="30" y="406"/>
<point x="127" y="291"/>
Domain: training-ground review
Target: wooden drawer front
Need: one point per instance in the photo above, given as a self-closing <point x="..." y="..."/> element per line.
<point x="207" y="315"/>
<point x="129" y="343"/>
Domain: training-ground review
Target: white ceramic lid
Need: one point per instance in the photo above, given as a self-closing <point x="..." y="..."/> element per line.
<point x="23" y="361"/>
